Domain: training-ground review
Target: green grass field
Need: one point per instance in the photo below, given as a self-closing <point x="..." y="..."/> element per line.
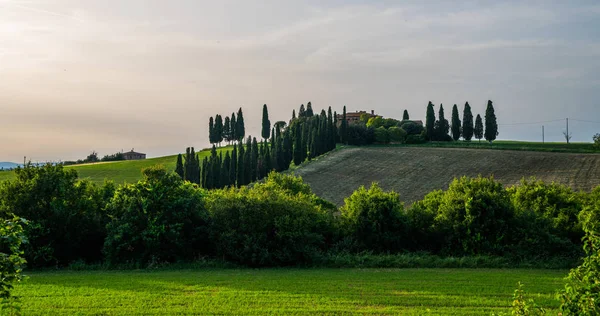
<point x="284" y="291"/>
<point x="121" y="171"/>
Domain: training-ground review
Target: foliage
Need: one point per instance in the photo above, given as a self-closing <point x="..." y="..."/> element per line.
<point x="467" y="129"/>
<point x="397" y="134"/>
<point x="405" y="116"/>
<point x="581" y="295"/>
<point x="523" y="307"/>
<point x="11" y="255"/>
<point x="359" y="134"/>
<point x="375" y="122"/>
<point x="382" y="135"/>
<point x="268" y="224"/>
<point x="113" y="157"/>
<point x="597" y="141"/>
<point x="66" y="221"/>
<point x="441" y="127"/>
<point x="430" y="122"/>
<point x="266" y="123"/>
<point x="478" y="130"/>
<point x="474" y="216"/>
<point x="491" y="125"/>
<point x="160" y="218"/>
<point x="412" y="128"/>
<point x="416" y="139"/>
<point x="456" y="124"/>
<point x="375" y="219"/>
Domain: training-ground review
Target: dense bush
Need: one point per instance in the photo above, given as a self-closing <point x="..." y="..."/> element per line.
<point x="11" y="254"/>
<point x="597" y="141"/>
<point x="474" y="217"/>
<point x="159" y="219"/>
<point x="358" y="134"/>
<point x="66" y="221"/>
<point x="381" y="135"/>
<point x="421" y="216"/>
<point x="412" y="128"/>
<point x="397" y="134"/>
<point x="416" y="139"/>
<point x="270" y="224"/>
<point x="375" y="219"/>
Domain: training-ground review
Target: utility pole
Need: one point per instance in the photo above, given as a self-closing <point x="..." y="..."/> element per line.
<point x="543" y="138"/>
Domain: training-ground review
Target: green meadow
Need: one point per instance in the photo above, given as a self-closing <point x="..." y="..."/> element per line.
<point x="284" y="291"/>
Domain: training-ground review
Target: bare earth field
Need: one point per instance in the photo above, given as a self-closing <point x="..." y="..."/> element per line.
<point x="415" y="171"/>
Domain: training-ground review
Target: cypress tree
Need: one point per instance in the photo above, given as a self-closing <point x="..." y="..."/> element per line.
<point x="273" y="139"/>
<point x="288" y="150"/>
<point x="234" y="136"/>
<point x="302" y="111"/>
<point x="249" y="168"/>
<point x="218" y="129"/>
<point x="344" y="128"/>
<point x="211" y="130"/>
<point x="491" y="125"/>
<point x="293" y="114"/>
<point x="266" y="123"/>
<point x="336" y="137"/>
<point x="195" y="177"/>
<point x="179" y="166"/>
<point x="330" y="130"/>
<point x="254" y="160"/>
<point x="233" y="166"/>
<point x="467" y="130"/>
<point x="305" y="141"/>
<point x="309" y="110"/>
<point x="455" y="123"/>
<point x="240" y="128"/>
<point x="441" y="126"/>
<point x="478" y="131"/>
<point x="225" y="179"/>
<point x="241" y="166"/>
<point x="227" y="129"/>
<point x="268" y="161"/>
<point x="297" y="145"/>
<point x="430" y="122"/>
<point x="215" y="164"/>
<point x="204" y="173"/>
<point x="405" y="116"/>
<point x="187" y="171"/>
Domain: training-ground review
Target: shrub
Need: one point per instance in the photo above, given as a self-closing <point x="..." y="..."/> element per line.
<point x="11" y="255"/>
<point x="375" y="122"/>
<point x="358" y="134"/>
<point x="160" y="218"/>
<point x="375" y="219"/>
<point x="269" y="224"/>
<point x="416" y="139"/>
<point x="421" y="216"/>
<point x="474" y="217"/>
<point x="581" y="295"/>
<point x="397" y="135"/>
<point x="382" y="136"/>
<point x="412" y="128"/>
<point x="64" y="214"/>
<point x="597" y="141"/>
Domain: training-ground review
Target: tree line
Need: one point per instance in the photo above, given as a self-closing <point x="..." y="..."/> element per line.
<point x="441" y="130"/>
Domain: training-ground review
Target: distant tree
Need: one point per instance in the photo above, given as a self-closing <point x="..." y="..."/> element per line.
<point x="344" y="128"/>
<point x="455" y="124"/>
<point x="467" y="129"/>
<point x="287" y="150"/>
<point x="478" y="128"/>
<point x="596" y="139"/>
<point x="405" y="116"/>
<point x="293" y="114"/>
<point x="309" y="110"/>
<point x="233" y="166"/>
<point x="279" y="126"/>
<point x="266" y="124"/>
<point x="567" y="136"/>
<point x="211" y="130"/>
<point x="297" y="145"/>
<point x="302" y="111"/>
<point x="218" y="129"/>
<point x="234" y="136"/>
<point x="191" y="166"/>
<point x="241" y="166"/>
<point x="179" y="166"/>
<point x="93" y="157"/>
<point x="442" y="127"/>
<point x="227" y="129"/>
<point x="336" y="137"/>
<point x="430" y="121"/>
<point x="225" y="180"/>
<point x="240" y="128"/>
<point x="254" y="160"/>
<point x="491" y="125"/>
<point x="375" y="122"/>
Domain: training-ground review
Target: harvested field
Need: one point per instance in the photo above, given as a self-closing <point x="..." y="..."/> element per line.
<point x="416" y="171"/>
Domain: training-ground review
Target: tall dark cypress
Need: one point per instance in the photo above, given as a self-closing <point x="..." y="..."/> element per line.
<point x="218" y="129"/>
<point x="240" y="128"/>
<point x="268" y="161"/>
<point x="227" y="129"/>
<point x="254" y="160"/>
<point x="336" y="137"/>
<point x="287" y="150"/>
<point x="309" y="110"/>
<point x="204" y="173"/>
<point x="241" y="166"/>
<point x="491" y="125"/>
<point x="187" y="167"/>
<point x="233" y="166"/>
<point x="266" y="123"/>
<point x="478" y="130"/>
<point x="302" y="111"/>
<point x="234" y="136"/>
<point x="195" y="168"/>
<point x="330" y="132"/>
<point x="249" y="170"/>
<point x="273" y="139"/>
<point x="405" y="116"/>
<point x="442" y="127"/>
<point x="211" y="130"/>
<point x="294" y="114"/>
<point x="216" y="168"/>
<point x="224" y="168"/>
<point x="179" y="166"/>
<point x="467" y="130"/>
<point x="430" y="122"/>
<point x="305" y="138"/>
<point x="456" y="127"/>
<point x="297" y="145"/>
<point x="344" y="128"/>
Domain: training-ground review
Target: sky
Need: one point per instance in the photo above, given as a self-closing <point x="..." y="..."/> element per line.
<point x="112" y="75"/>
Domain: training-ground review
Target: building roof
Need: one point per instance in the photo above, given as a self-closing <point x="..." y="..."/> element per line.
<point x="133" y="153"/>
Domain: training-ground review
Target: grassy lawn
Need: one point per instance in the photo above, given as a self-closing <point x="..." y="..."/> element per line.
<point x="284" y="291"/>
<point x="121" y="171"/>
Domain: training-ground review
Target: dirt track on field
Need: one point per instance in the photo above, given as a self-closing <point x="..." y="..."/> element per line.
<point x="414" y="172"/>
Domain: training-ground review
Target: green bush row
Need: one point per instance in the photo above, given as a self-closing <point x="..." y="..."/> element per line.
<point x="280" y="222"/>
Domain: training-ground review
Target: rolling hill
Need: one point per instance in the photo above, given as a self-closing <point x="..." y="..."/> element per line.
<point x="416" y="171"/>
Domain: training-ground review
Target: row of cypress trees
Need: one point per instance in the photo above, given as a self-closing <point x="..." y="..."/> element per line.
<point x="437" y="130"/>
<point x="304" y="138"/>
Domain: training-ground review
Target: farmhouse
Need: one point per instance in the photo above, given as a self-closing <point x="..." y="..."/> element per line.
<point x="132" y="155"/>
<point x="352" y="117"/>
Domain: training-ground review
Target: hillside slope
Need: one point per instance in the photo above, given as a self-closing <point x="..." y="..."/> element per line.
<point x="416" y="171"/>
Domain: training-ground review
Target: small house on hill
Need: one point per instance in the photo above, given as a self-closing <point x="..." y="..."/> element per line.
<point x="352" y="117"/>
<point x="132" y="155"/>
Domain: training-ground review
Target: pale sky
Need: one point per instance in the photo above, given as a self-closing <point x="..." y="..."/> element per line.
<point x="83" y="75"/>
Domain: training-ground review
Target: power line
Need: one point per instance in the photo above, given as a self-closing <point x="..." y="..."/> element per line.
<point x="532" y="123"/>
<point x="586" y="121"/>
